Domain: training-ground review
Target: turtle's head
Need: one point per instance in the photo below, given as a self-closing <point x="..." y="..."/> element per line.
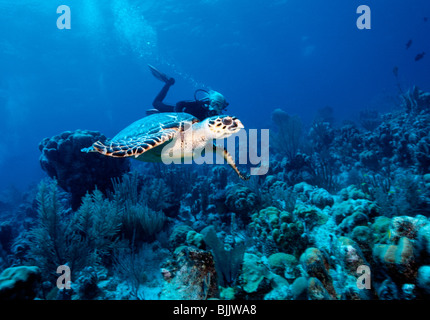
<point x="220" y="127"/>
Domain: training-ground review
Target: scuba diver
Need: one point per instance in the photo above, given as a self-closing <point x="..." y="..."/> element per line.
<point x="211" y="104"/>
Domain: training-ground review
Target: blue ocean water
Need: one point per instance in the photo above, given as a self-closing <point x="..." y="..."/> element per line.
<point x="262" y="55"/>
<point x="296" y="55"/>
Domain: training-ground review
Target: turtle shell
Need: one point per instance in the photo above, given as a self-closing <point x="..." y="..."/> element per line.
<point x="148" y="132"/>
<point x="154" y="123"/>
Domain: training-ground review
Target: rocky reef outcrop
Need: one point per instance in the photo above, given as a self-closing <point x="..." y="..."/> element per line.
<point x="79" y="172"/>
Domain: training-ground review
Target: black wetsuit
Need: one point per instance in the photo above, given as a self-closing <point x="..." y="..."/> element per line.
<point x="197" y="108"/>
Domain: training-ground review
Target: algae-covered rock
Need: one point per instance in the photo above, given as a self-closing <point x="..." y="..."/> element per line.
<point x="227" y="293"/>
<point x="303" y="188"/>
<point x="397" y="260"/>
<point x="316" y="265"/>
<point x="423" y="279"/>
<point x="351" y="213"/>
<point x="318" y="197"/>
<point x="195" y="239"/>
<point x="179" y="235"/>
<point x="381" y="227"/>
<point x="350" y="254"/>
<point x="321" y="198"/>
<point x="352" y="192"/>
<point x="405" y="226"/>
<point x="19" y="283"/>
<point x="280" y="226"/>
<point x="299" y="289"/>
<point x="317" y="291"/>
<point x="424" y="241"/>
<point x="191" y="275"/>
<point x="284" y="264"/>
<point x="352" y="221"/>
<point x="365" y="238"/>
<point x="310" y="214"/>
<point x="281" y="289"/>
<point x="258" y="282"/>
<point x="253" y="272"/>
<point x="309" y="289"/>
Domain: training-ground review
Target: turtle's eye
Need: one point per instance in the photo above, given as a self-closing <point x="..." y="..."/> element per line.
<point x="186" y="126"/>
<point x="227" y="121"/>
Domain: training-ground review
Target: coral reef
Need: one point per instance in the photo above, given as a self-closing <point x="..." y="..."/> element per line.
<point x="317" y="267"/>
<point x="289" y="134"/>
<point x="343" y="214"/>
<point x="241" y="200"/>
<point x="190" y="275"/>
<point x="397" y="260"/>
<point x="281" y="227"/>
<point x="254" y="273"/>
<point x="19" y="283"/>
<point x="228" y="259"/>
<point x="78" y="172"/>
<point x="284" y="264"/>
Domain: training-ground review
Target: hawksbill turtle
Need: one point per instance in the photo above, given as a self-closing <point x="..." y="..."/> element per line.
<point x="167" y="135"/>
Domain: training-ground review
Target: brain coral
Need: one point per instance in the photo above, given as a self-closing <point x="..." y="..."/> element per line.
<point x="281" y="227"/>
<point x="241" y="200"/>
<point x="398" y="261"/>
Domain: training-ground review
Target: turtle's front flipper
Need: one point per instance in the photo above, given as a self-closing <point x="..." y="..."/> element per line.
<point x="227" y="156"/>
<point x="133" y="147"/>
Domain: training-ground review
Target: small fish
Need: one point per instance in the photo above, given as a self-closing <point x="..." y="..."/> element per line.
<point x="419" y="56"/>
<point x="408" y="44"/>
<point x="396" y="71"/>
<point x="389" y="234"/>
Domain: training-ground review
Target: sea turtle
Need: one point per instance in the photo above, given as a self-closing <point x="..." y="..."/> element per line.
<point x="173" y="136"/>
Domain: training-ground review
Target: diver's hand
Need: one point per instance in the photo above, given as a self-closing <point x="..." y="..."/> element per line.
<point x="152" y="111"/>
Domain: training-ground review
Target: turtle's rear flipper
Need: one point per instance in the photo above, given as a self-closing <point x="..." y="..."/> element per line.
<point x="227" y="156"/>
<point x="152" y="111"/>
<point x="134" y="147"/>
<point x="89" y="149"/>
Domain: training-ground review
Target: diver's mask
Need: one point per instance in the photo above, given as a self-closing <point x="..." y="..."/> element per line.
<point x="214" y="100"/>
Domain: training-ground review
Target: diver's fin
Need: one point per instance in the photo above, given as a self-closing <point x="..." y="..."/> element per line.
<point x="159" y="75"/>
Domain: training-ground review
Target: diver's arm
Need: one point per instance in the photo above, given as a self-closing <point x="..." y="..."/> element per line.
<point x="190" y="106"/>
<point x="195" y="108"/>
<point x="158" y="101"/>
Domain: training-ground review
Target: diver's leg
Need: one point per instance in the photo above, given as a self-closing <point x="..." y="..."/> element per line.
<point x="158" y="101"/>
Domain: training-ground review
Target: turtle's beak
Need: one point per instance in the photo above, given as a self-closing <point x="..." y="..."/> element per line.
<point x="236" y="125"/>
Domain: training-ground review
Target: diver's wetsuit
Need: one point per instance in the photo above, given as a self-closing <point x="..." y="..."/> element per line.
<point x="197" y="108"/>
